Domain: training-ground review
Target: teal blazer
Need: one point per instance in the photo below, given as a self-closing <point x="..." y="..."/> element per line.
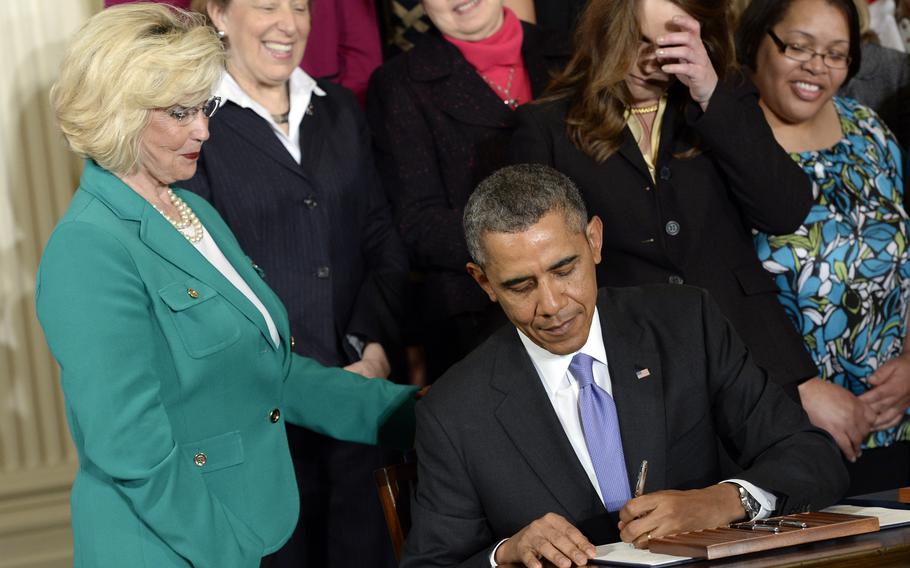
<point x="176" y="396"/>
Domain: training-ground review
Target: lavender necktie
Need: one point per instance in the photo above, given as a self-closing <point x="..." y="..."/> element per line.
<point x="601" y="429"/>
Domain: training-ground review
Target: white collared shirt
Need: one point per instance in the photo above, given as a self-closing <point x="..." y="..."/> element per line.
<point x="301" y="88"/>
<point x="562" y="390"/>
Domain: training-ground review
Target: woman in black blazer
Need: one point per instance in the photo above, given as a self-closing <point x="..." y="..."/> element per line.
<point x="439" y="128"/>
<point x="289" y="167"/>
<point x="668" y="145"/>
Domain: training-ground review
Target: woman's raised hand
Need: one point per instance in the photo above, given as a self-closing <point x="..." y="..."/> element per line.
<point x="682" y="53"/>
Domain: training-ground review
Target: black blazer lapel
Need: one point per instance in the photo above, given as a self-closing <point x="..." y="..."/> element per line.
<point x="314" y="128"/>
<point x="632" y="153"/>
<point x="530" y="422"/>
<point x="252" y="128"/>
<point x="671" y="126"/>
<point x="636" y="377"/>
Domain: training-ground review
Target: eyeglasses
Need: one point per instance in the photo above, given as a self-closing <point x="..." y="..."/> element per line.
<point x="185" y="115"/>
<point x="804" y="54"/>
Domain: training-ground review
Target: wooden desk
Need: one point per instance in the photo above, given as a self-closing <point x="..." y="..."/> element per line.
<point x="889" y="548"/>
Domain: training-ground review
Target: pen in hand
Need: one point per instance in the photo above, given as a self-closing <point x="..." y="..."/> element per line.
<point x="639" y="488"/>
<point x="642" y="476"/>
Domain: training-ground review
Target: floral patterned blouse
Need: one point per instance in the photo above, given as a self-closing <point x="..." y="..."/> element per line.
<point x="843" y="275"/>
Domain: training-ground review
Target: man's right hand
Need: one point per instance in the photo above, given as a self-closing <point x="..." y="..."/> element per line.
<point x="839" y="412"/>
<point x="551" y="537"/>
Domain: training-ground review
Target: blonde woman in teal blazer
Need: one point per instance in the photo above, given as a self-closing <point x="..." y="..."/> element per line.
<point x="177" y="385"/>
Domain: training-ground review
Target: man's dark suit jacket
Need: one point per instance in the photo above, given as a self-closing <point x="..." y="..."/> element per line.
<point x="439" y="130"/>
<point x="692" y="224"/>
<point x="493" y="456"/>
<point x="321" y="230"/>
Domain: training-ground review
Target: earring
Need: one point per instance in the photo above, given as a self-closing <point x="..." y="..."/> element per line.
<point x="221" y="34"/>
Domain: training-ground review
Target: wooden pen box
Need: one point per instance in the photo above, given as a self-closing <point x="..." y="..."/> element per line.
<point x="723" y="542"/>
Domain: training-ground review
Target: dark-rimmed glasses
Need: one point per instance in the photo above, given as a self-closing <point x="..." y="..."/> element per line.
<point x="185" y="115"/>
<point x="804" y="54"/>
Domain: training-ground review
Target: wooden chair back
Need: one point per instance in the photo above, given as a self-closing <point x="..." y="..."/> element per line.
<point x="394" y="484"/>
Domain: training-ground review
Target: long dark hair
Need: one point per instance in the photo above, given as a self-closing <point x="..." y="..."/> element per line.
<point x="607" y="42"/>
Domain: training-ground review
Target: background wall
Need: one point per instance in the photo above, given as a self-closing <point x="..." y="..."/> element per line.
<point x="37" y="178"/>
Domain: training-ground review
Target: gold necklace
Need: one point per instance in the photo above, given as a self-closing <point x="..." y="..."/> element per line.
<point x="644" y="110"/>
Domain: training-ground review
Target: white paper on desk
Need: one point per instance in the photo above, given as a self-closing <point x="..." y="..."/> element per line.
<point x="887" y="518"/>
<point x="624" y="554"/>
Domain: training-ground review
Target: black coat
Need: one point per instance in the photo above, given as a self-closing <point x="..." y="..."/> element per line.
<point x="493" y="456"/>
<point x="561" y="15"/>
<point x="320" y="230"/>
<point x="439" y="130"/>
<point x="693" y="224"/>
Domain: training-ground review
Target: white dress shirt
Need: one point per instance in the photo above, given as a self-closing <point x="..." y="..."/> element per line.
<point x="562" y="390"/>
<point x="301" y="88"/>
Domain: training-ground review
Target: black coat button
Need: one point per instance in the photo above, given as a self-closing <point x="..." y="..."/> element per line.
<point x="310" y="202"/>
<point x="672" y="228"/>
<point x="665" y="173"/>
<point x="323" y="272"/>
<point x="675" y="279"/>
<point x="274" y="415"/>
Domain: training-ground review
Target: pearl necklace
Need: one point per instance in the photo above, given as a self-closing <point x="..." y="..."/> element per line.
<point x="189" y="225"/>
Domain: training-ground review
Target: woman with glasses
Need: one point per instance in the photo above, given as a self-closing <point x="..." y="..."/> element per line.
<point x="843" y="274"/>
<point x="176" y="359"/>
<point x="665" y="139"/>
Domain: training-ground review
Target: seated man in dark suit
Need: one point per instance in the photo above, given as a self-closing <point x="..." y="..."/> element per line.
<point x="526" y="448"/>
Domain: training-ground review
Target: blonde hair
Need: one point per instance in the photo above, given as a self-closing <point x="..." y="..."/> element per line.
<point x="124" y="62"/>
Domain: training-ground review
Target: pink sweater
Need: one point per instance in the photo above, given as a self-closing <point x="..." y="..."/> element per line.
<point x="497" y="57"/>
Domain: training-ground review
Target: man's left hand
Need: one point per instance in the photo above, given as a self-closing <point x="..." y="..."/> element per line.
<point x="889" y="396"/>
<point x="373" y="364"/>
<point x="670" y="512"/>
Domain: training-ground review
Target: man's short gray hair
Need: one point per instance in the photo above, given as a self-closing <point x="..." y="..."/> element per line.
<point x="514" y="198"/>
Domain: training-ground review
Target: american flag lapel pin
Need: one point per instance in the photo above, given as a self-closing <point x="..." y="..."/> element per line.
<point x="642" y="373"/>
